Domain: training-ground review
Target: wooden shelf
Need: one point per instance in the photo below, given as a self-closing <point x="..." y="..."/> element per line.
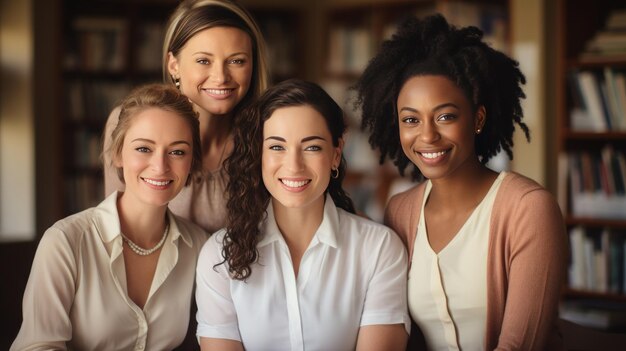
<point x="595" y="222"/>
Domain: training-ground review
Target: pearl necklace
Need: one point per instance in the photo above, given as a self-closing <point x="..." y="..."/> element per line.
<point x="145" y="252"/>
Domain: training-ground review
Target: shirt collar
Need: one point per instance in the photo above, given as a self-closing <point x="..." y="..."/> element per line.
<point x="325" y="234"/>
<point x="109" y="220"/>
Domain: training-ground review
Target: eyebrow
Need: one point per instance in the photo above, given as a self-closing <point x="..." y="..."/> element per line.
<point x="309" y="138"/>
<point x="438" y="107"/>
<point x="149" y="141"/>
<point x="231" y="55"/>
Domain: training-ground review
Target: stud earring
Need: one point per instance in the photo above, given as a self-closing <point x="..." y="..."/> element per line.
<point x="176" y="82"/>
<point x="478" y="131"/>
<point x="334" y="172"/>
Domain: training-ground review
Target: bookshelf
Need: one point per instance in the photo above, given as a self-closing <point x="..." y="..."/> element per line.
<point x="591" y="149"/>
<point x="353" y="32"/>
<point x="107" y="48"/>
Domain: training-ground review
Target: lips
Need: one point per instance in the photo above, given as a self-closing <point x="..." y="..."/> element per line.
<point x="433" y="155"/>
<point x="220" y="94"/>
<point x="219" y="91"/>
<point x="157" y="183"/>
<point x="295" y="183"/>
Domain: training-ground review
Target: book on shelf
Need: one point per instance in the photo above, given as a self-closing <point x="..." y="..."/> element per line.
<point x="97" y="44"/>
<point x="597" y="183"/>
<point x="598" y="100"/>
<point x="610" y="42"/>
<point x="150" y="42"/>
<point x="93" y="101"/>
<point x="596" y="314"/>
<point x="597" y="260"/>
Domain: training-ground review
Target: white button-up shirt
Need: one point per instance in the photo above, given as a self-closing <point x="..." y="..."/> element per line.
<point x="352" y="274"/>
<point x="76" y="296"/>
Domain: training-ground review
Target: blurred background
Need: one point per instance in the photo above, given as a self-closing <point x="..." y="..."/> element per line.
<point x="66" y="63"/>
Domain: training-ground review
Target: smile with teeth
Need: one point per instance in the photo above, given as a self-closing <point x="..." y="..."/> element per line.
<point x="432" y="155"/>
<point x="295" y="184"/>
<point x="156" y="182"/>
<point x="219" y="91"/>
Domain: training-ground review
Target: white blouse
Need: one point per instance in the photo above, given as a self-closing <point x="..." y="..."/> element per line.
<point x="448" y="290"/>
<point x="76" y="296"/>
<point x="352" y="274"/>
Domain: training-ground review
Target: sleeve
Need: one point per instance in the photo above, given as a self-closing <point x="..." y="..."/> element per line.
<point x="216" y="316"/>
<point x="111" y="181"/>
<point x="386" y="298"/>
<point x="48" y="296"/>
<point x="538" y="266"/>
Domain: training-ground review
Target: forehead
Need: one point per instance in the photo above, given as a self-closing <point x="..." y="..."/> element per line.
<point x="220" y="39"/>
<point x="296" y="121"/>
<point x="158" y="124"/>
<point x="430" y="89"/>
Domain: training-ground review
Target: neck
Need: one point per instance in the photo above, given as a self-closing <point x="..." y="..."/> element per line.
<point x="464" y="188"/>
<point x="298" y="225"/>
<point x="144" y="225"/>
<point x="215" y="137"/>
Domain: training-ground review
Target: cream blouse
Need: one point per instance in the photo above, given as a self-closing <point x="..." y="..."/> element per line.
<point x="448" y="291"/>
<point x="76" y="296"/>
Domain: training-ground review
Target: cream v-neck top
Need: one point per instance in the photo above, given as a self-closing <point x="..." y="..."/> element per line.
<point x="448" y="290"/>
<point x="76" y="297"/>
<point x="352" y="274"/>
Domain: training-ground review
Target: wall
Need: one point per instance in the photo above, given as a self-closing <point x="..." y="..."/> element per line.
<point x="17" y="185"/>
<point x="528" y="39"/>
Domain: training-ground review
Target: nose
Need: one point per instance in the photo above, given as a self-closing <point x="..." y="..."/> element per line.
<point x="295" y="161"/>
<point x="219" y="73"/>
<point x="429" y="132"/>
<point x="160" y="162"/>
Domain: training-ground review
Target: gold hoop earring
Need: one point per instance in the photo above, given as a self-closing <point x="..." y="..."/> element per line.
<point x="334" y="172"/>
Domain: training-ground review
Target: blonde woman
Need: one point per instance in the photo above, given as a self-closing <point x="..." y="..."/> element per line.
<point x="215" y="54"/>
<point x="120" y="276"/>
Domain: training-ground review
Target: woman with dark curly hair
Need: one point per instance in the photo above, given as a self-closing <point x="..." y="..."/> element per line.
<point x="295" y="268"/>
<point x="488" y="250"/>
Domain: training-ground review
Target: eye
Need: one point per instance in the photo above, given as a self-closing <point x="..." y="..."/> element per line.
<point x="276" y="148"/>
<point x="313" y="148"/>
<point x="203" y="61"/>
<point x="142" y="149"/>
<point x="178" y="153"/>
<point x="446" y="117"/>
<point x="237" y="61"/>
<point x="410" y="120"/>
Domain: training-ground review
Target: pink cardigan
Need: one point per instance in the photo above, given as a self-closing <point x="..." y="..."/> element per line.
<point x="527" y="262"/>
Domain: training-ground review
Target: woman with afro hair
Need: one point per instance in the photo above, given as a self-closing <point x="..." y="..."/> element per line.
<point x="487" y="250"/>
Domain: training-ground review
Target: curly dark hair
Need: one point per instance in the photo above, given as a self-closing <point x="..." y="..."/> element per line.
<point x="248" y="197"/>
<point x="431" y="46"/>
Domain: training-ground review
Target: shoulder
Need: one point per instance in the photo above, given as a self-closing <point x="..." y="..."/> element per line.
<point x="75" y="226"/>
<point x="517" y="190"/>
<point x="366" y="230"/>
<point x="398" y="203"/>
<point x="211" y="252"/>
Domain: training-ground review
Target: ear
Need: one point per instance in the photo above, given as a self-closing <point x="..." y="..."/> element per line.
<point x="116" y="161"/>
<point x="172" y="64"/>
<point x="338" y="151"/>
<point x="480" y="118"/>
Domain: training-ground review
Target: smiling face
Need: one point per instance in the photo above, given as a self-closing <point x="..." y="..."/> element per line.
<point x="437" y="126"/>
<point x="214" y="68"/>
<point x="156" y="157"/>
<point x="298" y="154"/>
